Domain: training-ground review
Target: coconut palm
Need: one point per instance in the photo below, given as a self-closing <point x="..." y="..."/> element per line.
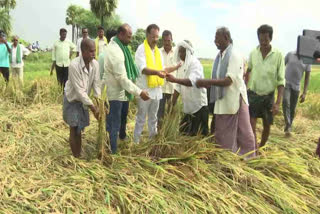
<point x="8" y="4"/>
<point x="103" y="8"/>
<point x="71" y="18"/>
<point x="5" y="21"/>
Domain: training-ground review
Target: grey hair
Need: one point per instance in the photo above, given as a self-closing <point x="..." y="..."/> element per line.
<point x="225" y="32"/>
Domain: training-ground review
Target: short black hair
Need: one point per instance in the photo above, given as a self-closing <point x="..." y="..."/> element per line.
<point x="110" y="33"/>
<point x="265" y="29"/>
<point x="100" y="28"/>
<point x="152" y="26"/>
<point x="63" y="30"/>
<point x="167" y="33"/>
<point x="226" y="33"/>
<point x="122" y="28"/>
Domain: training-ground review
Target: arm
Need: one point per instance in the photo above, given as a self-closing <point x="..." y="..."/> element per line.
<point x="148" y="71"/>
<point x="52" y="67"/>
<point x="175" y="97"/>
<point x="8" y="47"/>
<point x="53" y="59"/>
<point x="185" y="82"/>
<point x="206" y="83"/>
<point x="280" y="83"/>
<point x="173" y="68"/>
<point x="305" y="87"/>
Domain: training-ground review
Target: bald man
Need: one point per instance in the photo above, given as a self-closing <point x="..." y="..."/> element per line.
<point x="83" y="76"/>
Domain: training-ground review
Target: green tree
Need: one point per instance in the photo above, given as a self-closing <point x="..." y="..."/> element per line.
<point x="8" y="5"/>
<point x="138" y="39"/>
<point x="5" y="21"/>
<point x="103" y="8"/>
<point x="71" y="18"/>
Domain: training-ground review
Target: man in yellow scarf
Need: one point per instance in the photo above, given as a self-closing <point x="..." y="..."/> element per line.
<point x="150" y="65"/>
<point x="101" y="42"/>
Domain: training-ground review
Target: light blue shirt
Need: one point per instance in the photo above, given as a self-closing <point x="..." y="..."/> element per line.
<point x="4" y="55"/>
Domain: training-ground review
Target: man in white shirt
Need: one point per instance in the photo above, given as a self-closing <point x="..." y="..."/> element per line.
<point x="168" y="61"/>
<point x="61" y="55"/>
<point x="228" y="90"/>
<point x="195" y="104"/>
<point x="85" y="35"/>
<point x="18" y="52"/>
<point x="120" y="73"/>
<point x="150" y="64"/>
<point x="83" y="76"/>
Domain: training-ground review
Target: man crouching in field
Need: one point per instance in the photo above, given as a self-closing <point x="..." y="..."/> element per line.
<point x="83" y="76"/>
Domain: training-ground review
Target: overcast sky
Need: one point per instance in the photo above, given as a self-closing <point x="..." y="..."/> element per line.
<point x="195" y="20"/>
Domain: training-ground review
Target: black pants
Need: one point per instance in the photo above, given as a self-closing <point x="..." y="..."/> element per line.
<point x="162" y="107"/>
<point x="5" y="73"/>
<point x="211" y="110"/>
<point x="62" y="75"/>
<point x="196" y="123"/>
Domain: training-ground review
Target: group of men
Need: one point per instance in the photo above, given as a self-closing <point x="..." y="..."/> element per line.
<point x="11" y="56"/>
<point x="157" y="77"/>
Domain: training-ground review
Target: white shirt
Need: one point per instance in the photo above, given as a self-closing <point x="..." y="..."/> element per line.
<point x="140" y="58"/>
<point x="230" y="103"/>
<point x="23" y="52"/>
<point x="115" y="74"/>
<point x="168" y="61"/>
<point x="81" y="81"/>
<point x="193" y="98"/>
<point x="102" y="46"/>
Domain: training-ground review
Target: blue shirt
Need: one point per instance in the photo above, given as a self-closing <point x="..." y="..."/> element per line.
<point x="4" y="55"/>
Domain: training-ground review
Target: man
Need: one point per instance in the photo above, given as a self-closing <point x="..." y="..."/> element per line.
<point x="83" y="76"/>
<point x="168" y="61"/>
<point x="101" y="42"/>
<point x="151" y="73"/>
<point x="119" y="76"/>
<point x="61" y="54"/>
<point x="110" y="34"/>
<point x="265" y="74"/>
<point x="228" y="91"/>
<point x="5" y="51"/>
<point x="85" y="35"/>
<point x="17" y="55"/>
<point x="195" y="104"/>
<point x="294" y="72"/>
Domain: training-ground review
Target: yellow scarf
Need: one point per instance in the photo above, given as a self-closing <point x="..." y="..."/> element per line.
<point x="96" y="41"/>
<point x="154" y="63"/>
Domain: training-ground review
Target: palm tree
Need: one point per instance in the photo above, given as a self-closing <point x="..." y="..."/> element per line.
<point x="71" y="18"/>
<point x="103" y="8"/>
<point x="5" y="21"/>
<point x="8" y="4"/>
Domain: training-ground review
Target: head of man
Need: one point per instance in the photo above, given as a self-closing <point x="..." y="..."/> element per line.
<point x="152" y="34"/>
<point x="167" y="40"/>
<point x="63" y="34"/>
<point x="88" y="50"/>
<point x="265" y="33"/>
<point x="183" y="49"/>
<point x="15" y="40"/>
<point x="85" y="33"/>
<point x="124" y="34"/>
<point x="100" y="32"/>
<point x="222" y="38"/>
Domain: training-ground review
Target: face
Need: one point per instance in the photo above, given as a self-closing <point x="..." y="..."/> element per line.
<point x="85" y="33"/>
<point x="63" y="36"/>
<point x="15" y="41"/>
<point x="127" y="36"/>
<point x="100" y="33"/>
<point x="264" y="40"/>
<point x="153" y="37"/>
<point x="220" y="41"/>
<point x="89" y="54"/>
<point x="167" y="42"/>
<point x="182" y="53"/>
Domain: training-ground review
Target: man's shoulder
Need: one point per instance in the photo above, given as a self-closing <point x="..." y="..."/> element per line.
<point x="140" y="48"/>
<point x="74" y="62"/>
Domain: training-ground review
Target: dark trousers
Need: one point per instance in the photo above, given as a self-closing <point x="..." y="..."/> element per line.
<point x="116" y="122"/>
<point x="62" y="75"/>
<point x="162" y="107"/>
<point x="195" y="123"/>
<point x="5" y="73"/>
<point x="289" y="104"/>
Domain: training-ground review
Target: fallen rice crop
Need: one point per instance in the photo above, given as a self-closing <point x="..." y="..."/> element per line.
<point x="167" y="174"/>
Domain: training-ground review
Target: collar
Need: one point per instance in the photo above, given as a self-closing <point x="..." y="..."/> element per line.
<point x="165" y="52"/>
<point x="225" y="51"/>
<point x="83" y="66"/>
